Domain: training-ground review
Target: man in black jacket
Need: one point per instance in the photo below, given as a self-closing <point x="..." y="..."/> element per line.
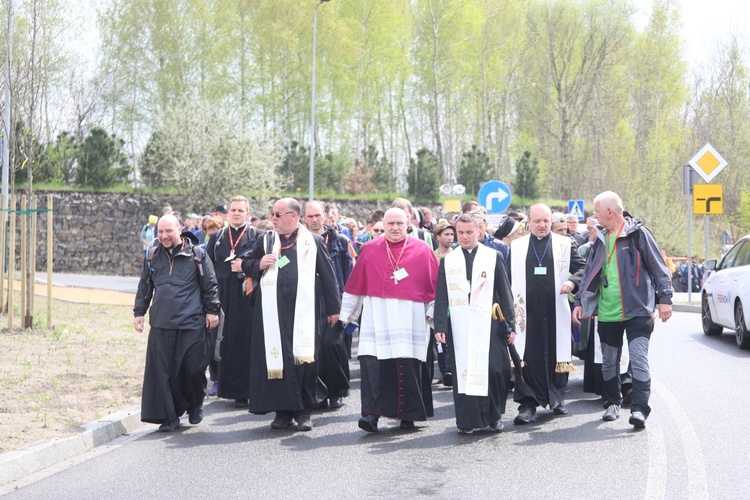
<point x="333" y="358"/>
<point x="181" y="281"/>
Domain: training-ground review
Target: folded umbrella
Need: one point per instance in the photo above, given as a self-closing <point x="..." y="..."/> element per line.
<point x="497" y="314"/>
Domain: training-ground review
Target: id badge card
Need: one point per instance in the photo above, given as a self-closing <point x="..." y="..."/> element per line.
<point x="230" y="258"/>
<point x="540" y="271"/>
<point x="400" y="274"/>
<point x="282" y="261"/>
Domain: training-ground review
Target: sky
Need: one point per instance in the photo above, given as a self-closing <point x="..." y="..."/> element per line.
<point x="705" y="23"/>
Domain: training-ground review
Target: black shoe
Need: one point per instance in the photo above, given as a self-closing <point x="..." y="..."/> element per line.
<point x="336" y="402"/>
<point x="497" y="426"/>
<point x="465" y="431"/>
<point x="448" y="379"/>
<point x="282" y="420"/>
<point x="240" y="403"/>
<point x="322" y="405"/>
<point x="525" y="416"/>
<point x="628" y="397"/>
<point x="195" y="416"/>
<point x="368" y="423"/>
<point x="304" y="422"/>
<point x="170" y="426"/>
<point x="407" y="425"/>
<point x="560" y="409"/>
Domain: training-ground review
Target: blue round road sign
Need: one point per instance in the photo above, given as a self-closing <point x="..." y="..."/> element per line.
<point x="495" y="197"/>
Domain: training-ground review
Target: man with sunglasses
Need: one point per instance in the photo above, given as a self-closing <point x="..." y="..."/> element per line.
<point x="297" y="292"/>
<point x="625" y="277"/>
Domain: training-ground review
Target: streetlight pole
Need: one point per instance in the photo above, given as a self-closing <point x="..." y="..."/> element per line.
<point x="312" y="110"/>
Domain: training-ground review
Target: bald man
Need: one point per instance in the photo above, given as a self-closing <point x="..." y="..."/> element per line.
<point x="187" y="303"/>
<point x="544" y="268"/>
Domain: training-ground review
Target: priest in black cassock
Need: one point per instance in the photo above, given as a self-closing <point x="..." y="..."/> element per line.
<point x="470" y="280"/>
<point x="297" y="293"/>
<point x="225" y="248"/>
<point x="180" y="280"/>
<point x="544" y="268"/>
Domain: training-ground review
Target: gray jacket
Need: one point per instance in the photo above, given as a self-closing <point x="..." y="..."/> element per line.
<point x="643" y="275"/>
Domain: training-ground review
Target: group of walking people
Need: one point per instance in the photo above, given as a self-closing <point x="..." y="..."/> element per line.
<point x="287" y="297"/>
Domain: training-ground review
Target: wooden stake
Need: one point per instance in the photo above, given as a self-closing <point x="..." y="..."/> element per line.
<point x="50" y="254"/>
<point x="11" y="259"/>
<point x="23" y="220"/>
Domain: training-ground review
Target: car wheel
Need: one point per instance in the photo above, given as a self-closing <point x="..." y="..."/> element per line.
<point x="743" y="338"/>
<point x="709" y="327"/>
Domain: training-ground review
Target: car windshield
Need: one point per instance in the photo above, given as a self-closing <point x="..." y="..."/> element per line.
<point x="731" y="256"/>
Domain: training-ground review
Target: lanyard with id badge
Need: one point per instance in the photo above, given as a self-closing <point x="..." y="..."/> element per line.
<point x="540" y="270"/>
<point x="398" y="273"/>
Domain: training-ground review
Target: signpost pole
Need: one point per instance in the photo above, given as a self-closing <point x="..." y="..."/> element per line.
<point x="688" y="188"/>
<point x="707" y="224"/>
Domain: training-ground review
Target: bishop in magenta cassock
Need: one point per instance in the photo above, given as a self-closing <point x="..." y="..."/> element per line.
<point x="393" y="282"/>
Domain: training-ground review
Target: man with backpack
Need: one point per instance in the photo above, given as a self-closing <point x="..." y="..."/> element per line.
<point x="625" y="276"/>
<point x="180" y="279"/>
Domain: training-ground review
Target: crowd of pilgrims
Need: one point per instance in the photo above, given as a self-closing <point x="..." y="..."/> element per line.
<point x="295" y="286"/>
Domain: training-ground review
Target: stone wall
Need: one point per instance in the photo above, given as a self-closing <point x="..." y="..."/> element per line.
<point x="99" y="233"/>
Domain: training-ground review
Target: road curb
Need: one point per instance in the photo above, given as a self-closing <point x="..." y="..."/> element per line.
<point x="19" y="463"/>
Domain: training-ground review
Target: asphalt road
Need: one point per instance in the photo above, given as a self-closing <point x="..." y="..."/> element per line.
<point x="695" y="445"/>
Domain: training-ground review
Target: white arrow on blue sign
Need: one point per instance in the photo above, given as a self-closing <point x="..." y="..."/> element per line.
<point x="575" y="207"/>
<point x="495" y="197"/>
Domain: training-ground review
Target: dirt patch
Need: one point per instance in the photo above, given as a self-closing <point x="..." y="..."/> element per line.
<point x="88" y="366"/>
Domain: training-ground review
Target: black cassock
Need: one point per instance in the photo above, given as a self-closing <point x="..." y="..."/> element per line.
<point x="476" y="412"/>
<point x="297" y="389"/>
<point x="543" y="386"/>
<point x="234" y="367"/>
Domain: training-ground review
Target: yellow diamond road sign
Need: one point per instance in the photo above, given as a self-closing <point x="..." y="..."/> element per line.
<point x="707" y="162"/>
<point x="708" y="199"/>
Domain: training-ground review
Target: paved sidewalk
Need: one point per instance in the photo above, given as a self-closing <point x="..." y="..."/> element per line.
<point x="127" y="284"/>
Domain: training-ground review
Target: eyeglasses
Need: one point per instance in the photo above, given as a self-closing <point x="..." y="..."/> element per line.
<point x="378" y="230"/>
<point x="279" y="215"/>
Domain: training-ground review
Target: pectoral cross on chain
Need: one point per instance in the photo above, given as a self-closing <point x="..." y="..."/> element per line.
<point x="394" y="278"/>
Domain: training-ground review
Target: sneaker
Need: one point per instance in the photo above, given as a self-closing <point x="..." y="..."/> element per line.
<point x="195" y="416"/>
<point x="637" y="420"/>
<point x="612" y="413"/>
<point x="214" y="388"/>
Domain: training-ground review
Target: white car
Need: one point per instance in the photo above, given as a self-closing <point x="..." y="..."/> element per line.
<point x="725" y="298"/>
